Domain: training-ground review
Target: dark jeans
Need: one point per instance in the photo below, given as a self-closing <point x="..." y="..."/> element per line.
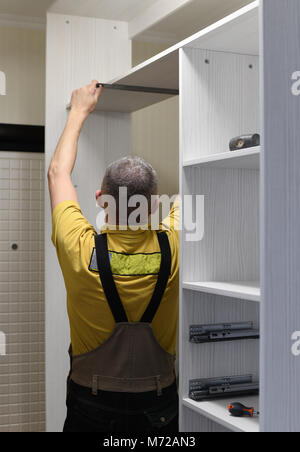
<point x="121" y="412"/>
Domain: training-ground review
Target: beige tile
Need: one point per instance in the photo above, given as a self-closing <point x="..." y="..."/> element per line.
<point x="4" y="213"/>
<point x="4" y="184"/>
<point x="4" y="163"/>
<point x="4" y="257"/>
<point x="15" y="428"/>
<point x="4" y="173"/>
<point x="4" y="420"/>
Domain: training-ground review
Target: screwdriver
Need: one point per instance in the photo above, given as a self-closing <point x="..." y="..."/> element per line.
<point x="239" y="410"/>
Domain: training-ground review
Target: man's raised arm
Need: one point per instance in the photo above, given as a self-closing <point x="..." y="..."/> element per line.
<point x="61" y="188"/>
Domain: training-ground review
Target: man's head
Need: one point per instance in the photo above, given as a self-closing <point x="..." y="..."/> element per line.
<point x="133" y="174"/>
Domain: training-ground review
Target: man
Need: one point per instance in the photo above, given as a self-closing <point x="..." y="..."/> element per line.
<point x="122" y="295"/>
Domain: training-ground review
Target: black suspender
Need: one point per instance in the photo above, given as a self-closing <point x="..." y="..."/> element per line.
<point x="109" y="285"/>
<point x="107" y="279"/>
<point x="163" y="277"/>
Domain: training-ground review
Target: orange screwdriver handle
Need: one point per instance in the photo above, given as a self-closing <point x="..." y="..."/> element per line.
<point x="239" y="410"/>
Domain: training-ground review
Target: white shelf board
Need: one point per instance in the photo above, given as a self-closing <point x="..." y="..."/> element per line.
<point x="128" y="102"/>
<point x="246" y="158"/>
<point x="236" y="33"/>
<point x="216" y="411"/>
<point x="161" y="71"/>
<point x="243" y="290"/>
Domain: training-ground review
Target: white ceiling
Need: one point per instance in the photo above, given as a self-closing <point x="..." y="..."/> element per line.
<point x="124" y="10"/>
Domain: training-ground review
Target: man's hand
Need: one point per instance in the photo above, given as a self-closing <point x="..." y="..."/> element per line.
<point x="84" y="100"/>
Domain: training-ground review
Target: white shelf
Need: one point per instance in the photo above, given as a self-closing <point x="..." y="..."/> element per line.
<point x="160" y="71"/>
<point x="217" y="411"/>
<point x="237" y="33"/>
<point x="246" y="158"/>
<point x="128" y="102"/>
<point x="243" y="290"/>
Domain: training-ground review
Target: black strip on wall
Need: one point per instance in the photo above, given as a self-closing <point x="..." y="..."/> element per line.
<point x="22" y="138"/>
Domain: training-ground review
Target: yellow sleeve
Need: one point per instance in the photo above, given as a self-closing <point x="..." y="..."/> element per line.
<point x="172" y="221"/>
<point x="171" y="225"/>
<point x="72" y="236"/>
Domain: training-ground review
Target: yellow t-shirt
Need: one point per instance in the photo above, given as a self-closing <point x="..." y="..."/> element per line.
<point x="135" y="260"/>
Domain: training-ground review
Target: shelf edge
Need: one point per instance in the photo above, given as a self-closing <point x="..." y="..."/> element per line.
<point x="195" y="287"/>
<point x="222" y="157"/>
<point x="202" y="412"/>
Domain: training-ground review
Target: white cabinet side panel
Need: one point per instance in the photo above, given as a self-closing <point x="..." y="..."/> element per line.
<point x="92" y="49"/>
<point x="220" y="100"/>
<point x="280" y="390"/>
<point x="77" y="52"/>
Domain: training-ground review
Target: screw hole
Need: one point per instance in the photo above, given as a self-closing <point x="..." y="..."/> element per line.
<point x="207" y="61"/>
<point x="14" y="246"/>
<point x="67" y="22"/>
<point x="250" y="66"/>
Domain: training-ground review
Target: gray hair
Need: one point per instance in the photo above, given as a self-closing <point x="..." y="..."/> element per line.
<point x="134" y="173"/>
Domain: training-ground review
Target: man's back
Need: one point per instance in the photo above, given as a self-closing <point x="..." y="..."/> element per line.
<point x="135" y="261"/>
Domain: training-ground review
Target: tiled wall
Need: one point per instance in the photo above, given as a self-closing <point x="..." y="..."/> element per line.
<point x="22" y="387"/>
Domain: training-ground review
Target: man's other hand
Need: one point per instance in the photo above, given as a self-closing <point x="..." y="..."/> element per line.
<point x="84" y="100"/>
